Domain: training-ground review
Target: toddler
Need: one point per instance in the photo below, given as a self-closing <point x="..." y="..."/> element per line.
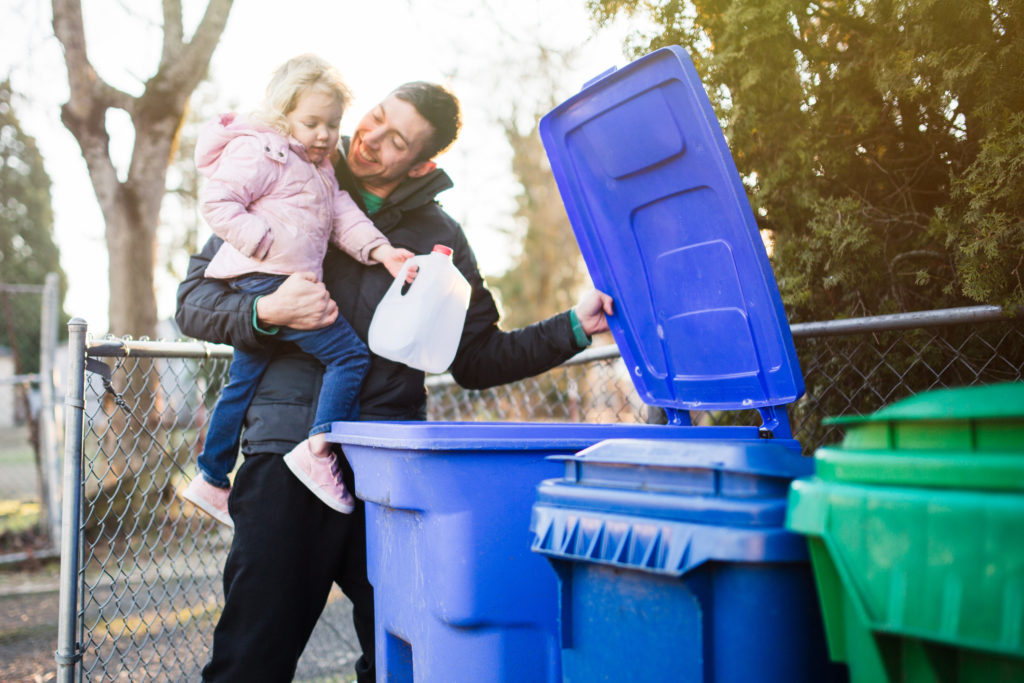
<point x="272" y="195"/>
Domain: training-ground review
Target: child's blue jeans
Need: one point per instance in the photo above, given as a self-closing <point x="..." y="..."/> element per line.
<point x="337" y="346"/>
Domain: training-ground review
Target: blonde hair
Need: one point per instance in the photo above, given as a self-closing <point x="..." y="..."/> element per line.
<point x="293" y="78"/>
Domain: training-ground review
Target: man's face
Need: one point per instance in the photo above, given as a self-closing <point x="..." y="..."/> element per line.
<point x="314" y="122"/>
<point x="386" y="146"/>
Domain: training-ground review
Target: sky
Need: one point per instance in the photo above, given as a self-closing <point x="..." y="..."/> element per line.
<point x="482" y="50"/>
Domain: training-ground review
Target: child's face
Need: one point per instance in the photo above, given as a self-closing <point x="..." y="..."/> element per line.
<point x="314" y="122"/>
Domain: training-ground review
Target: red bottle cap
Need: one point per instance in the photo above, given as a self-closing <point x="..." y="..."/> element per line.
<point x="441" y="249"/>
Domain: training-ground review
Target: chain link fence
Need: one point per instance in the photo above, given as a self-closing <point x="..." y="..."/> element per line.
<point x="850" y="367"/>
<point x="150" y="565"/>
<point x="29" y="464"/>
<point x="141" y="598"/>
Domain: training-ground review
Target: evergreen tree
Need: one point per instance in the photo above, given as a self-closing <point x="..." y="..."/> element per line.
<point x="27" y="249"/>
<point x="881" y="141"/>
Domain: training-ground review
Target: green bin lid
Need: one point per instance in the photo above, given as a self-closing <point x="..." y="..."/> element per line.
<point x="962" y="438"/>
<point x="993" y="401"/>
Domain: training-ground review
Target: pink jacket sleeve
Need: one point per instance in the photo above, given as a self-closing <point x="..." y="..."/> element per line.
<point x="353" y="232"/>
<point x="243" y="176"/>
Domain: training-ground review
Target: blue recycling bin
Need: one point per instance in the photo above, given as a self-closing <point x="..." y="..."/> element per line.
<point x="674" y="564"/>
<point x="458" y="595"/>
<point x="663" y="224"/>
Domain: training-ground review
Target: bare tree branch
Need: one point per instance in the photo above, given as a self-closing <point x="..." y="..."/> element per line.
<point x="190" y="65"/>
<point x="173" y="33"/>
<point x="161" y="108"/>
<point x="131" y="208"/>
<point x="85" y="112"/>
<point x="68" y="27"/>
<point x="916" y="254"/>
<point x="87" y="88"/>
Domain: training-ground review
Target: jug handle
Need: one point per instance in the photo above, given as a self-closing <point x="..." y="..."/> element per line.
<point x="399" y="281"/>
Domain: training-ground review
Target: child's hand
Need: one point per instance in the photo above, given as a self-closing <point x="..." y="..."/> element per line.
<point x="393" y="258"/>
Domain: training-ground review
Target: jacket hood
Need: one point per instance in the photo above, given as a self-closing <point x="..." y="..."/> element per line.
<point x="218" y="133"/>
<point x="418" y="191"/>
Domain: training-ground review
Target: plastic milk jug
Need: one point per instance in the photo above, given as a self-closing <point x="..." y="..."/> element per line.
<point x="422" y="325"/>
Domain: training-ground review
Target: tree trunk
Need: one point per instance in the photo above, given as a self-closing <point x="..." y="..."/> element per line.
<point x="131" y="250"/>
<point x="131" y="211"/>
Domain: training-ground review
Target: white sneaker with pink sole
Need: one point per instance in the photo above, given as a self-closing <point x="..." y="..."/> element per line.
<point x="322" y="476"/>
<point x="210" y="499"/>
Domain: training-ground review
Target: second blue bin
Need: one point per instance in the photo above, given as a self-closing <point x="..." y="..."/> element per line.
<point x="674" y="564"/>
<point x="673" y="560"/>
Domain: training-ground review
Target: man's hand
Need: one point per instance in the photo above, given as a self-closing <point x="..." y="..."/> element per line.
<point x="592" y="309"/>
<point x="301" y="303"/>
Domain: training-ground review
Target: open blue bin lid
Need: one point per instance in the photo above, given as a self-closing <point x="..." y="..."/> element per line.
<point x="664" y="226"/>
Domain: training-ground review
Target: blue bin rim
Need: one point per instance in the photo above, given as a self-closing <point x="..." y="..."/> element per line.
<point x="512" y="436"/>
<point x="767" y="457"/>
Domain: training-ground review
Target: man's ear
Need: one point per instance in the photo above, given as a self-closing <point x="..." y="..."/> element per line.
<point x="422" y="168"/>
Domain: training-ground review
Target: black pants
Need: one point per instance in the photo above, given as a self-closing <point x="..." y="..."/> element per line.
<point x="288" y="549"/>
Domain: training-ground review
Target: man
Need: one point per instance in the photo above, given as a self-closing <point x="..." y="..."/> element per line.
<point x="288" y="547"/>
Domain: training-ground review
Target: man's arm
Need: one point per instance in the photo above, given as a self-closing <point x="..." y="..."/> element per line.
<point x="493" y="356"/>
<point x="209" y="309"/>
<point x="489" y="356"/>
<point x="301" y="303"/>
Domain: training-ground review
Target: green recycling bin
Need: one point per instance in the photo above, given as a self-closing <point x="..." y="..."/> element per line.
<point x="915" y="525"/>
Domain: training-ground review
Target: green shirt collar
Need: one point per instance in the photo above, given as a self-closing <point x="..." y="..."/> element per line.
<point x="371" y="201"/>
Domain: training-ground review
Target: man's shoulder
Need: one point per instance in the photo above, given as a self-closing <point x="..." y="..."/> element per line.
<point x="435" y="211"/>
<point x="416" y="193"/>
<point x="432" y="225"/>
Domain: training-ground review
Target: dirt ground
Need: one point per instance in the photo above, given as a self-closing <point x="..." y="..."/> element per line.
<point x="29" y="589"/>
<point x="28" y="622"/>
<point x="29" y="606"/>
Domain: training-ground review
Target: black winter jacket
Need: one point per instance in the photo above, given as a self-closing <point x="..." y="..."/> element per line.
<point x="282" y="411"/>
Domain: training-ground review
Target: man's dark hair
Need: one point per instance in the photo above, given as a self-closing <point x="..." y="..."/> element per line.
<point x="439" y="107"/>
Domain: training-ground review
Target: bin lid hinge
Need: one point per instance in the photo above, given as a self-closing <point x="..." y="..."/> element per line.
<point x="775" y="423"/>
<point x="679" y="418"/>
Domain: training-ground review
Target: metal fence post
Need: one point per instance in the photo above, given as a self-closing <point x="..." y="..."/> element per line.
<point x="68" y="653"/>
<point x="47" y="406"/>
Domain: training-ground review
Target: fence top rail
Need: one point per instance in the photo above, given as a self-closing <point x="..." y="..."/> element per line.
<point x="22" y="289"/>
<point x="903" y="321"/>
<point x="850" y="326"/>
<point x="123" y="348"/>
<point x="30" y="378"/>
<point x="126" y="348"/>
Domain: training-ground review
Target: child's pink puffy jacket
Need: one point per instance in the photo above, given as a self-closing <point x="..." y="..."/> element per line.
<point x="274" y="209"/>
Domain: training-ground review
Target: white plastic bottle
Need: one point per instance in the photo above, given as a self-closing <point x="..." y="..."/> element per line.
<point x="422" y="326"/>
